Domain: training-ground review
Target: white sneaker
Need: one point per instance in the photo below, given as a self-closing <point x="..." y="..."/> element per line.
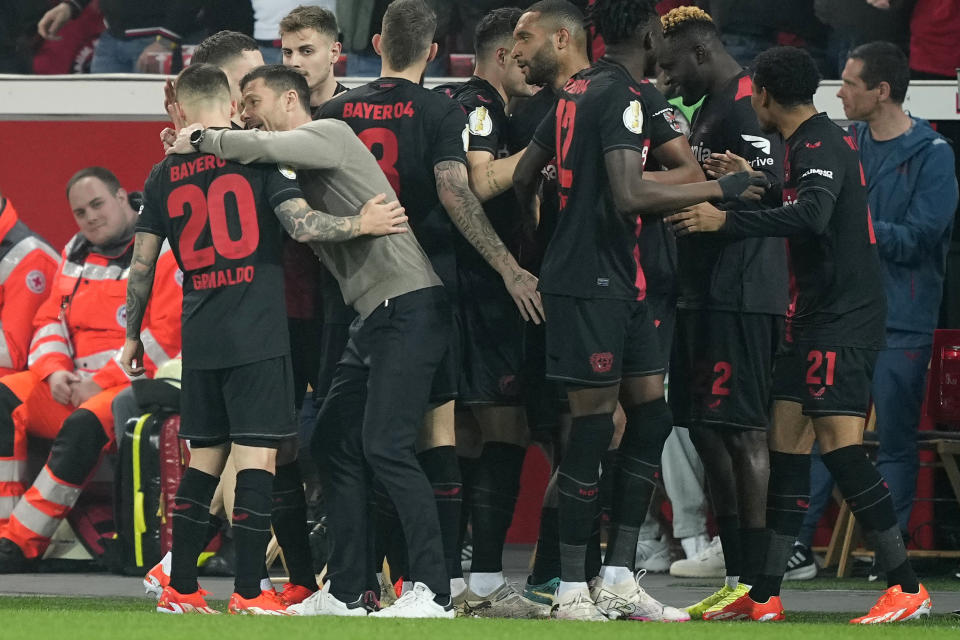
<point x="416" y="603"/>
<point x="322" y="603"/>
<point x="693" y="545"/>
<point x="653" y="555"/>
<point x="577" y="605"/>
<point x="627" y="600"/>
<point x="706" y="564"/>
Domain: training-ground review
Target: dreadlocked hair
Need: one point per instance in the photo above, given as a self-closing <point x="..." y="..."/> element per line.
<point x="618" y="20"/>
<point x="688" y="20"/>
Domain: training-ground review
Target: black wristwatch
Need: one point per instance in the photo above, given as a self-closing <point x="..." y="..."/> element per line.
<point x="196" y="138"/>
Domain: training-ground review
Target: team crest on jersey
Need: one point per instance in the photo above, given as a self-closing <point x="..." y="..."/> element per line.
<point x="36" y="281"/>
<point x="466" y="138"/>
<point x="633" y="117"/>
<point x="287" y="171"/>
<point x="122" y="315"/>
<point x="480" y="122"/>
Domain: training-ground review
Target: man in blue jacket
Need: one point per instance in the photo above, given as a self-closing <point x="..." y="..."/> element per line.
<point x="912" y="190"/>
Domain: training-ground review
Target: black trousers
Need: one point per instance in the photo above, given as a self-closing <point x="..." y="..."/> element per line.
<point x="369" y="423"/>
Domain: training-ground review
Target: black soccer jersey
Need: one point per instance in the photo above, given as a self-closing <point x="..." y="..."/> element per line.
<point x="656" y="242"/>
<point x="410" y="129"/>
<point x="488" y="128"/>
<point x="219" y="218"/>
<point x="833" y="256"/>
<point x="524" y="121"/>
<point x="747" y="275"/>
<point x="593" y="252"/>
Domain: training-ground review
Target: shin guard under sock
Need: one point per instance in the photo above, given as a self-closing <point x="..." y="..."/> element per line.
<point x="728" y="528"/>
<point x="289" y="519"/>
<point x="788" y="498"/>
<point x="191" y="519"/>
<point x="869" y="498"/>
<point x="442" y="469"/>
<point x="493" y="498"/>
<point x="251" y="528"/>
<point x="578" y="488"/>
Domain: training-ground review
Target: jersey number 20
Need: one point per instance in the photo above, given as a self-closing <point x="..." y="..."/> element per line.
<point x="210" y="209"/>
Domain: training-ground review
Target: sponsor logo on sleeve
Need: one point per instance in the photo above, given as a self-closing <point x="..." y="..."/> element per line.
<point x="633" y="117"/>
<point x="826" y="173"/>
<point x="480" y="123"/>
<point x="466" y="137"/>
<point x="36" y="281"/>
<point x="287" y="171"/>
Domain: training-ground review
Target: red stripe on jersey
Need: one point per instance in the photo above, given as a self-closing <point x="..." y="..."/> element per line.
<point x="850" y="142"/>
<point x="639" y="281"/>
<point x="873" y="237"/>
<point x="792" y="306"/>
<point x="744" y="89"/>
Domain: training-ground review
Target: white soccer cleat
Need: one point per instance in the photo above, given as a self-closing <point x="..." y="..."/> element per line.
<point x="323" y="603"/>
<point x="504" y="602"/>
<point x="627" y="600"/>
<point x="577" y="604"/>
<point x="416" y="603"/>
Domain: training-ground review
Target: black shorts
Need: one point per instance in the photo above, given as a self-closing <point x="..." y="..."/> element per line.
<point x="664" y="311"/>
<point x="722" y="368"/>
<point x="827" y="381"/>
<point x="492" y="337"/>
<point x="595" y="342"/>
<point x="250" y="403"/>
<point x="446" y="381"/>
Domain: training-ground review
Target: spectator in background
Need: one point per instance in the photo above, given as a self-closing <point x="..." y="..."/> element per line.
<point x="27" y="267"/>
<point x="360" y="20"/>
<point x="856" y="22"/>
<point x="136" y="31"/>
<point x="934" y="33"/>
<point x="912" y="190"/>
<point x="71" y="49"/>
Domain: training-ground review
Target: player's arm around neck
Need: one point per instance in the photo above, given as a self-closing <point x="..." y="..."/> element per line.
<point x="300" y="148"/>
<point x="143" y="267"/>
<point x="453" y="189"/>
<point x="489" y="177"/>
<point x="308" y="225"/>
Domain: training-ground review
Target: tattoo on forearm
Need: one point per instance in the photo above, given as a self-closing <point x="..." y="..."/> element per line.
<point x="465" y="211"/>
<point x="306" y="225"/>
<point x="492" y="183"/>
<point x="143" y="267"/>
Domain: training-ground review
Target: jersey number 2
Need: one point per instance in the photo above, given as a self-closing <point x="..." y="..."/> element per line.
<point x="212" y="208"/>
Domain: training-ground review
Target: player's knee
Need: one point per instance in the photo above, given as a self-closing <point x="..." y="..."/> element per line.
<point x="77" y="448"/>
<point x="648" y="427"/>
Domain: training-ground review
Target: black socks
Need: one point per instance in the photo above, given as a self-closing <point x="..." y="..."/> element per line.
<point x="191" y="522"/>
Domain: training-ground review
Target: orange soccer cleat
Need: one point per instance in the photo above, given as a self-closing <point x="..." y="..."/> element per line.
<point x="294" y="593"/>
<point x="155" y="580"/>
<point x="745" y="608"/>
<point x="896" y="606"/>
<point x="265" y="604"/>
<point x="172" y="601"/>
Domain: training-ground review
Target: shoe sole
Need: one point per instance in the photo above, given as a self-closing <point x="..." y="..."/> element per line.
<point x="715" y="573"/>
<point x="921" y="612"/>
<point x="801" y="573"/>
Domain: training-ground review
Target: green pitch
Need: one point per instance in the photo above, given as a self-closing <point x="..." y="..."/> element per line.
<point x="37" y="618"/>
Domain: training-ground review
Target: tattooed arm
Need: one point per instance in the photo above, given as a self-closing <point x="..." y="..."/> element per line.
<point x="307" y="225"/>
<point x="464" y="209"/>
<point x="490" y="177"/>
<point x="143" y="266"/>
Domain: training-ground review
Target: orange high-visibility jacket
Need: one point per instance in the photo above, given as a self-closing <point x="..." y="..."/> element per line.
<point x="82" y="325"/>
<point x="27" y="268"/>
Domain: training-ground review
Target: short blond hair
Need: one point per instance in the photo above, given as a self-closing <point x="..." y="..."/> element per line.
<point x="683" y="16"/>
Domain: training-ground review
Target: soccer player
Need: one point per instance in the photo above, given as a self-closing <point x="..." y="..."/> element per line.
<point x="601" y="338"/>
<point x="490" y="403"/>
<point x="379" y="395"/>
<point x="220" y="219"/>
<point x="308" y="36"/>
<point x="733" y="295"/>
<point x="420" y="140"/>
<point x="821" y="382"/>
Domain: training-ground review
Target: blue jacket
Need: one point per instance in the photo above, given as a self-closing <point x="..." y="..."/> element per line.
<point x="912" y="191"/>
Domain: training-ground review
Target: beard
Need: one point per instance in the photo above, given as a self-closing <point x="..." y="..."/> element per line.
<point x="542" y="68"/>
